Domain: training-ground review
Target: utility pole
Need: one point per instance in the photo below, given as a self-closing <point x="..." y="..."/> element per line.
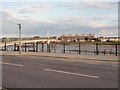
<point x="19" y="26"/>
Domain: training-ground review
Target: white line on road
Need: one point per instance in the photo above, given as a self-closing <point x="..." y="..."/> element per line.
<point x="77" y="74"/>
<point x="11" y="64"/>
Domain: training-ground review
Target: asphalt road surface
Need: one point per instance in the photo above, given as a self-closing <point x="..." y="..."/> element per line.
<point x="31" y="72"/>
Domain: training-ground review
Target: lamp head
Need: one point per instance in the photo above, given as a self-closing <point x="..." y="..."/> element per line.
<point x="19" y="26"/>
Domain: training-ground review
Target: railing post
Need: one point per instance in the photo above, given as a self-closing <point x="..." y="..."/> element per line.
<point x="25" y="47"/>
<point x="104" y="51"/>
<point x="79" y="48"/>
<point x="94" y="51"/>
<point x="36" y="46"/>
<point x="110" y="51"/>
<point x="42" y="47"/>
<point x="63" y="47"/>
<point x="54" y="47"/>
<point x="18" y="48"/>
<point x="5" y="47"/>
<point x="14" y="46"/>
<point x="116" y="49"/>
<point x="49" y="47"/>
<point x="97" y="52"/>
<point x="86" y="51"/>
<point x="33" y="47"/>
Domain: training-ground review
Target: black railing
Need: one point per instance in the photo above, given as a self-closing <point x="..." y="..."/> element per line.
<point x="63" y="47"/>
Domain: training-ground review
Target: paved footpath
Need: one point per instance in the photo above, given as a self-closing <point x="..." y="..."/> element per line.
<point x="111" y="58"/>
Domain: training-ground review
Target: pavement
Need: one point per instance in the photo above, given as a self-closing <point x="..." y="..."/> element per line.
<point x="109" y="58"/>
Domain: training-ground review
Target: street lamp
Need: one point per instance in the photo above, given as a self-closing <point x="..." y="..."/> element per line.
<point x="19" y="26"/>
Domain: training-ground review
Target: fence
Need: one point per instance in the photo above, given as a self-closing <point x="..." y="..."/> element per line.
<point x="73" y="48"/>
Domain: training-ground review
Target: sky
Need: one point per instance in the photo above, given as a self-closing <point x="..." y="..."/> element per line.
<point x="38" y="17"/>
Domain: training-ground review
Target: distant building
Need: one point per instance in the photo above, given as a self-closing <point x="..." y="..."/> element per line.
<point x="109" y="39"/>
<point x="36" y="37"/>
<point x="77" y="37"/>
<point x="114" y="38"/>
<point x="5" y="39"/>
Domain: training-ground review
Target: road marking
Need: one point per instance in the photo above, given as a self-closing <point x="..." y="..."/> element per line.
<point x="77" y="74"/>
<point x="11" y="64"/>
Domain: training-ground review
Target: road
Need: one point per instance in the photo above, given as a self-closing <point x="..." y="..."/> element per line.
<point x="43" y="72"/>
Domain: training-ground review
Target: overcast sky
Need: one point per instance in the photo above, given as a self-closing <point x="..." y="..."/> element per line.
<point x="38" y="18"/>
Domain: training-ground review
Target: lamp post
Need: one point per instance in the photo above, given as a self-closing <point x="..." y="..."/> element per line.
<point x="19" y="26"/>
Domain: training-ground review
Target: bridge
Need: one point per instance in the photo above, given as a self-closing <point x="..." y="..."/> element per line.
<point x="29" y="41"/>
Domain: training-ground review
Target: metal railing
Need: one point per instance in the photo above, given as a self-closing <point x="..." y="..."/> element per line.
<point x="76" y="48"/>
